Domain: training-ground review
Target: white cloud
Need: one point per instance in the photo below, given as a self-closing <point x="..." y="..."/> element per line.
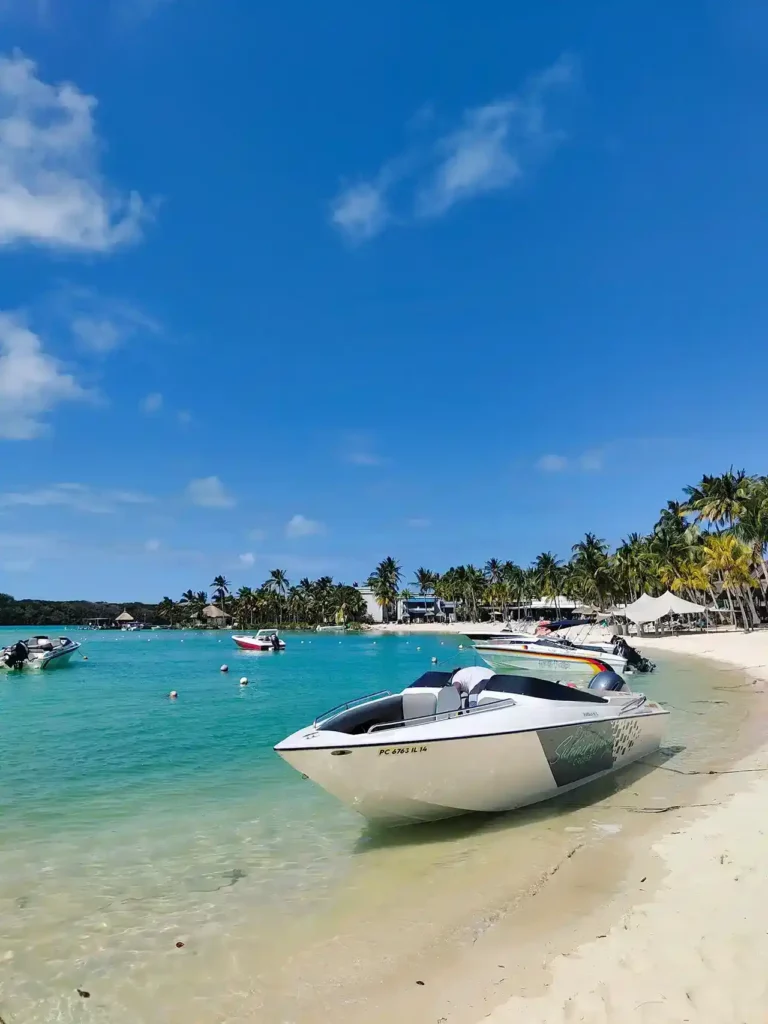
<point x="101" y="324"/>
<point x="552" y="463"/>
<point x="32" y="382"/>
<point x="51" y="190"/>
<point x="152" y="545"/>
<point x="360" y="211"/>
<point x="358" y="450"/>
<point x="587" y="462"/>
<point x="257" y="535"/>
<point x="209" y="492"/>
<point x="300" y="526"/>
<point x="492" y="147"/>
<point x="183" y="417"/>
<point x="247" y="559"/>
<point x="152" y="403"/>
<point x="77" y="496"/>
<point x="418" y="523"/>
<point x="591" y="462"/>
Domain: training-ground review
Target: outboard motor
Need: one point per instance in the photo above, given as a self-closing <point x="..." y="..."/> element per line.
<point x="607" y="680"/>
<point x="15" y="657"/>
<point x="275" y="642"/>
<point x="634" y="658"/>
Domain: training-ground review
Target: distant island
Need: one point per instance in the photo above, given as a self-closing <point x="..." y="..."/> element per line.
<point x="710" y="548"/>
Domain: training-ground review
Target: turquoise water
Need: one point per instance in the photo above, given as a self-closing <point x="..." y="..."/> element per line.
<point x="131" y="822"/>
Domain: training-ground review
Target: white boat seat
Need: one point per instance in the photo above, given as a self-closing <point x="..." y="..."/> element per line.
<point x="449" y="699"/>
<point x="418" y="704"/>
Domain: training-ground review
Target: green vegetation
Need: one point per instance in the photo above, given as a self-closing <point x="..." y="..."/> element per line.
<point x="710" y="548"/>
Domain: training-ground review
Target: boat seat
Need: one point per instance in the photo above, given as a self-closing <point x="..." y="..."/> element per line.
<point x="449" y="699"/>
<point x="418" y="704"/>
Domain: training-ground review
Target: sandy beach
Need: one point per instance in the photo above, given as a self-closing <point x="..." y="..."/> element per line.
<point x="693" y="943"/>
<point x="674" y="933"/>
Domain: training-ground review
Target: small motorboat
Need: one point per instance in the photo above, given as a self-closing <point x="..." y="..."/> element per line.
<point x="516" y="652"/>
<point x="264" y="640"/>
<point x="472" y="740"/>
<point x="38" y="652"/>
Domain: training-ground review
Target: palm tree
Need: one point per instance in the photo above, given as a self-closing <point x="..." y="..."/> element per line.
<point x="277" y="584"/>
<point x="752" y="525"/>
<point x="494" y="570"/>
<point x="718" y="499"/>
<point x="246" y="604"/>
<point x="221" y="587"/>
<point x="384" y="581"/>
<point x="549" y="576"/>
<point x="728" y="560"/>
<point x="425" y="580"/>
<point x="167" y="610"/>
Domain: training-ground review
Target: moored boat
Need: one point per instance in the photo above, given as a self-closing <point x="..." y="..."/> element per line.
<point x="472" y="740"/>
<point x="520" y="653"/>
<point x="264" y="640"/>
<point x="39" y="652"/>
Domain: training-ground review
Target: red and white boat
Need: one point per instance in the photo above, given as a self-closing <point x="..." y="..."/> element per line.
<point x="265" y="640"/>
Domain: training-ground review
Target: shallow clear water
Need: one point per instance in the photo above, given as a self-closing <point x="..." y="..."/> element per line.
<point x="131" y="822"/>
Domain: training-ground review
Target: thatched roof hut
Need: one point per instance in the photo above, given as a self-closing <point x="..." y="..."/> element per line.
<point x="215" y="616"/>
<point x="125" y="616"/>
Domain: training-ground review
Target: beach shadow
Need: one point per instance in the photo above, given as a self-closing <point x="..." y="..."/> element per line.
<point x="476" y="823"/>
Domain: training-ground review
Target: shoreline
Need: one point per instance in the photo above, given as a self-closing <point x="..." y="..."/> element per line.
<point x="661" y="923"/>
<point x="684" y="938"/>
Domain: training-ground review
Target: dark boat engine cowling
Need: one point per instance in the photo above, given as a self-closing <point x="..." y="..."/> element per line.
<point x="634" y="659"/>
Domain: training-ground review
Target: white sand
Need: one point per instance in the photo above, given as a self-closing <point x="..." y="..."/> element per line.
<point x="695" y="948"/>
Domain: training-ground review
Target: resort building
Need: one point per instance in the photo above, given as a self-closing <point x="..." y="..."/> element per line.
<point x="426" y="609"/>
<point x="372" y="607"/>
<point x="124" y="618"/>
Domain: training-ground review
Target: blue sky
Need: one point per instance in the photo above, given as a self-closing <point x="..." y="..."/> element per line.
<point x="306" y="285"/>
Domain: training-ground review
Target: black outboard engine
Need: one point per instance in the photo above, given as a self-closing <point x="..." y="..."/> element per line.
<point x="15" y="657"/>
<point x="607" y="680"/>
<point x="275" y="642"/>
<point x="634" y="658"/>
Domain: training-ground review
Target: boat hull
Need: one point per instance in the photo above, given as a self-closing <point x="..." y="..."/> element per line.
<point x="245" y="643"/>
<point x="395" y="782"/>
<point x="57" y="659"/>
<point x="505" y="659"/>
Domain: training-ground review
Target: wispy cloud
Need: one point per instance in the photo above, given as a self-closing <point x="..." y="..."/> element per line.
<point x="81" y="497"/>
<point x="257" y="535"/>
<point x="152" y="545"/>
<point x="300" y="526"/>
<point x="52" y="192"/>
<point x="587" y="462"/>
<point x="358" y="449"/>
<point x="418" y="523"/>
<point x="100" y="324"/>
<point x="491" y="148"/>
<point x="247" y="559"/>
<point x="151" y="403"/>
<point x="209" y="492"/>
<point x="32" y="382"/>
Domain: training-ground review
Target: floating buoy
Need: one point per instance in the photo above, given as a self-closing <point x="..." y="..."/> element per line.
<point x="418" y="648"/>
<point x="224" y="668"/>
<point x="434" y="661"/>
<point x="461" y="647"/>
<point x="302" y="641"/>
<point x="173" y="695"/>
<point x="85" y="657"/>
<point x="244" y="681"/>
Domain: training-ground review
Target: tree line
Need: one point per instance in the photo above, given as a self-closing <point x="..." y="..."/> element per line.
<point x="709" y="548"/>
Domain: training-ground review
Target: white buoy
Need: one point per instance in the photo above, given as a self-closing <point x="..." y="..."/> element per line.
<point x="302" y="641"/>
<point x="244" y="681"/>
<point x="173" y="695"/>
<point x="418" y="648"/>
<point x="224" y="668"/>
<point x="461" y="647"/>
<point x="434" y="661"/>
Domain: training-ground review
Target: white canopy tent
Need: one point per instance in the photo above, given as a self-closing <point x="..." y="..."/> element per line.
<point x="651" y="609"/>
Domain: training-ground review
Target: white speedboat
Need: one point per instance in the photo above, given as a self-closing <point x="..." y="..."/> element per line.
<point x="511" y="653"/>
<point x="39" y="652"/>
<point x="470" y="740"/>
<point x="264" y="640"/>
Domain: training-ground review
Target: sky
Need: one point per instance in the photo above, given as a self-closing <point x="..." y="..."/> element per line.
<point x="305" y="285"/>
